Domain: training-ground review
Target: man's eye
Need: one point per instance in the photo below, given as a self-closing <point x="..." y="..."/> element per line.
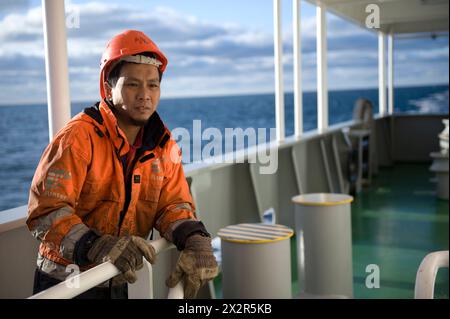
<point x="132" y="84"/>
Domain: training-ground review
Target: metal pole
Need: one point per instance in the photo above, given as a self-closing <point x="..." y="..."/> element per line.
<point x="278" y="57"/>
<point x="56" y="65"/>
<point x="382" y="73"/>
<point x="322" y="68"/>
<point x="391" y="74"/>
<point x="298" y="98"/>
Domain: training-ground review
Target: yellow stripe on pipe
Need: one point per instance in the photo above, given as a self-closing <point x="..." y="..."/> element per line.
<point x="322" y="199"/>
<point x="262" y="230"/>
<point x="235" y="231"/>
<point x="233" y="236"/>
<point x="266" y="226"/>
<point x="254" y="233"/>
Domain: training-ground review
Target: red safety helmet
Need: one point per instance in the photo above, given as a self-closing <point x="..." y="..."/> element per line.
<point x="127" y="43"/>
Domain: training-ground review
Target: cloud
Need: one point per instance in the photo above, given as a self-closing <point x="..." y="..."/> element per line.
<point x="205" y="57"/>
<point x="21" y="28"/>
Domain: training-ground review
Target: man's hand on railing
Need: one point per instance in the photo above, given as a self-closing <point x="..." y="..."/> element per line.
<point x="101" y="273"/>
<point x="125" y="253"/>
<point x="196" y="265"/>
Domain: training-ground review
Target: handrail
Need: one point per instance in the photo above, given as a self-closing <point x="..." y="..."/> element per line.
<point x="101" y="273"/>
<point x="426" y="274"/>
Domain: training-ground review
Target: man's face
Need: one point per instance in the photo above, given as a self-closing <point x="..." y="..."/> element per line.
<point x="136" y="93"/>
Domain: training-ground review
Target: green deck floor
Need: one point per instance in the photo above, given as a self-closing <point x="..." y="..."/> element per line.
<point x="395" y="224"/>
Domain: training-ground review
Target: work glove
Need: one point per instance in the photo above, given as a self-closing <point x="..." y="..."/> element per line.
<point x="125" y="253"/>
<point x="196" y="265"/>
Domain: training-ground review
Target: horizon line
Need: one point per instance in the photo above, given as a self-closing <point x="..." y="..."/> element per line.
<point x="235" y="94"/>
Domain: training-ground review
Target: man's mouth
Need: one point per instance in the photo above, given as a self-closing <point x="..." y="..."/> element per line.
<point x="143" y="108"/>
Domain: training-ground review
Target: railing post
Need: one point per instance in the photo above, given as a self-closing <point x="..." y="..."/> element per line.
<point x="298" y="98"/>
<point x="278" y="57"/>
<point x="322" y="68"/>
<point x="382" y="73"/>
<point x="391" y="73"/>
<point x="56" y="65"/>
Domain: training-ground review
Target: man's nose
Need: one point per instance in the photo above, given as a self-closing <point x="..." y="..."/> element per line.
<point x="144" y="93"/>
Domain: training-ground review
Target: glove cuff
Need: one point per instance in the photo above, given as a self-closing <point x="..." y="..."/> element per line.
<point x="186" y="229"/>
<point x="82" y="247"/>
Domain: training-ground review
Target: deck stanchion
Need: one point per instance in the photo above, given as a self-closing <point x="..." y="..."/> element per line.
<point x="322" y="68"/>
<point x="298" y="98"/>
<point x="391" y="74"/>
<point x="278" y="59"/>
<point x="382" y="73"/>
<point x="56" y="65"/>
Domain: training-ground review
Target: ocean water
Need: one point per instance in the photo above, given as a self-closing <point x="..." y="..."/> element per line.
<point x="24" y="128"/>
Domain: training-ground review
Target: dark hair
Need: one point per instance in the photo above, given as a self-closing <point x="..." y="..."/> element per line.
<point x="114" y="74"/>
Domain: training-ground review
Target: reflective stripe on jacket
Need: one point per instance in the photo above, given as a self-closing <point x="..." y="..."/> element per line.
<point x="79" y="184"/>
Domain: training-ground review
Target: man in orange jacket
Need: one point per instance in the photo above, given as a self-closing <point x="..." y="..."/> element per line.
<point x="110" y="176"/>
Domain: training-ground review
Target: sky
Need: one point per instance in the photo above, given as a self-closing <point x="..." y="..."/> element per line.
<point x="214" y="47"/>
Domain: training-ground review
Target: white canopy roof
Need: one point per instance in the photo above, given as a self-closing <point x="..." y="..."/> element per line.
<point x="396" y="16"/>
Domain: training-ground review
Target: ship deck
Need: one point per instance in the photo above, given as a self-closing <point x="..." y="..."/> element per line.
<point x="396" y="222"/>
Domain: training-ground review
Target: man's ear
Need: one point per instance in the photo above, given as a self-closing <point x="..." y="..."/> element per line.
<point x="108" y="90"/>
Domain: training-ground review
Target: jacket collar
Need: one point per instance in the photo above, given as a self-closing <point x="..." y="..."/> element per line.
<point x="155" y="132"/>
<point x="117" y="136"/>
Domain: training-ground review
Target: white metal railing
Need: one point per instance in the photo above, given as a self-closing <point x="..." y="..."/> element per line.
<point x="322" y="67"/>
<point x="15" y="217"/>
<point x="56" y="65"/>
<point x="382" y="73"/>
<point x="101" y="273"/>
<point x="426" y="274"/>
<point x="391" y="73"/>
<point x="278" y="67"/>
<point x="298" y="95"/>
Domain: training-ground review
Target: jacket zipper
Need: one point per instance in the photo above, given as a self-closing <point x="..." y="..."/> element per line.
<point x="122" y="212"/>
<point x="130" y="181"/>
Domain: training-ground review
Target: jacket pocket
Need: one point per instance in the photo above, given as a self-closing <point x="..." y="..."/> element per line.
<point x="94" y="194"/>
<point x="151" y="188"/>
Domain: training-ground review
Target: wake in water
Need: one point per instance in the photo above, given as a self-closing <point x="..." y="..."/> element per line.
<point x="433" y="103"/>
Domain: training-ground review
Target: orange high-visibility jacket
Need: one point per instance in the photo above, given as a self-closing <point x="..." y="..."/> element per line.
<point x="79" y="184"/>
